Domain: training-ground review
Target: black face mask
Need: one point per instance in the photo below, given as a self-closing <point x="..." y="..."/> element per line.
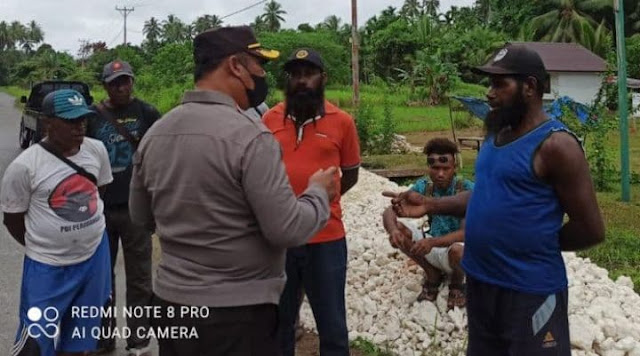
<point x="259" y="93"/>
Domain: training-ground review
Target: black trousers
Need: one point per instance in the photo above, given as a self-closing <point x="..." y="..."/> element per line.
<point x="136" y="248"/>
<point x="206" y="331"/>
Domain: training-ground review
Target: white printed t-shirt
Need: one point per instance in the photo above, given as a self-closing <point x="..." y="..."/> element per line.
<point x="64" y="213"/>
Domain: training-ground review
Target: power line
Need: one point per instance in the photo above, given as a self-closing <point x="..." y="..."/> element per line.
<point x="243" y="9"/>
<point x="114" y="38"/>
<point x="125" y="12"/>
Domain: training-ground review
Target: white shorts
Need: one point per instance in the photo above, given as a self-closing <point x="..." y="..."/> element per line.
<point x="439" y="256"/>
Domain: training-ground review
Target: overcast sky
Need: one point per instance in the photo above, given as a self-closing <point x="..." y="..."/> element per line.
<point x="66" y="22"/>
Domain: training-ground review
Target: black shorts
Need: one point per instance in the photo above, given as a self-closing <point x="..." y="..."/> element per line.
<point x="235" y="331"/>
<point x="506" y="322"/>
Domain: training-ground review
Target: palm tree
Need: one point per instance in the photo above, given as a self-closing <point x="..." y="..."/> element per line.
<point x="483" y="7"/>
<point x="258" y="24"/>
<point x="17" y="33"/>
<point x="411" y="9"/>
<point x="273" y="16"/>
<point x="189" y="31"/>
<point x="332" y="23"/>
<point x="431" y="7"/>
<point x="635" y="18"/>
<point x="598" y="40"/>
<point x="451" y="15"/>
<point x="567" y="22"/>
<point x="5" y="36"/>
<point x="173" y="30"/>
<point x="31" y="35"/>
<point x="152" y="30"/>
<point x="35" y="33"/>
<point x="206" y="22"/>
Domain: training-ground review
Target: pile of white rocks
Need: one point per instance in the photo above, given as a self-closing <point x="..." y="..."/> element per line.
<point x="382" y="287"/>
<point x="401" y="145"/>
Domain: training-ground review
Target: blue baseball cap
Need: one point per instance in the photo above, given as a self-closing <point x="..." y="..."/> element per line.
<point x="65" y="104"/>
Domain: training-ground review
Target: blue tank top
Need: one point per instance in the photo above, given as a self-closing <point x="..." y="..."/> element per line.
<point x="514" y="219"/>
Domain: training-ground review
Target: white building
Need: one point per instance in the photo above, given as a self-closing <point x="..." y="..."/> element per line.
<point x="574" y="71"/>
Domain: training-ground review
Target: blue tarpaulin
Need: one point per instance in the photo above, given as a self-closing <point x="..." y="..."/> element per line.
<point x="480" y="108"/>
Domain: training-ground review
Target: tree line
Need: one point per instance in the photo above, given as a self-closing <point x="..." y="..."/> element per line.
<point x="416" y="45"/>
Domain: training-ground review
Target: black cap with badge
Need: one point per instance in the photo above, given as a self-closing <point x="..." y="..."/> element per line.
<point x="215" y="45"/>
<point x="115" y="69"/>
<point x="515" y="59"/>
<point x="304" y="55"/>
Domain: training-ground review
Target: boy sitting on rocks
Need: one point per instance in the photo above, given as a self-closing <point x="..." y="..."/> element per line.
<point x="440" y="252"/>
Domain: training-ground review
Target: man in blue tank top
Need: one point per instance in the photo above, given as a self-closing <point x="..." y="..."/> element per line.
<point x="530" y="171"/>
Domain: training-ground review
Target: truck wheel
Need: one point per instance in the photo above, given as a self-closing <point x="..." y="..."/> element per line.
<point x="25" y="136"/>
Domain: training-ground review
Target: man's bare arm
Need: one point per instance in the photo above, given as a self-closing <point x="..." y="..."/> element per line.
<point x="389" y="220"/>
<point x="414" y="205"/>
<point x="348" y="180"/>
<point x="15" y="224"/>
<point x="562" y="163"/>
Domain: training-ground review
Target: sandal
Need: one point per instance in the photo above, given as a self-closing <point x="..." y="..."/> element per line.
<point x="429" y="291"/>
<point x="457" y="297"/>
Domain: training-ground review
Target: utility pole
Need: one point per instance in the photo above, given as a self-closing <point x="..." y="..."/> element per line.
<point x="618" y="7"/>
<point x="125" y="12"/>
<point x="355" y="67"/>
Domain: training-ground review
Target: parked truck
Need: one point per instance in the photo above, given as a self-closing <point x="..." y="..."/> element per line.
<point x="31" y="128"/>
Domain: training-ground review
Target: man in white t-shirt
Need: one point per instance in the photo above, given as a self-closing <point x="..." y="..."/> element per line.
<point x="51" y="204"/>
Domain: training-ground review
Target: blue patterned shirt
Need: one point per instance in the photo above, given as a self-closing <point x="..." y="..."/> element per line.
<point x="441" y="225"/>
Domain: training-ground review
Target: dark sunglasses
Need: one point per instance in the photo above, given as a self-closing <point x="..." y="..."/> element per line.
<point x="442" y="159"/>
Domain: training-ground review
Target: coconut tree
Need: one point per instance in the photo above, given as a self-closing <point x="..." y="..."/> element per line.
<point x="258" y="24"/>
<point x="431" y="7"/>
<point x="35" y="33"/>
<point x="568" y="21"/>
<point x="174" y="30"/>
<point x="152" y="30"/>
<point x="206" y="22"/>
<point x="5" y="35"/>
<point x="635" y="18"/>
<point x="411" y="9"/>
<point x="331" y="23"/>
<point x="597" y="40"/>
<point x="272" y="16"/>
<point x="17" y="33"/>
<point x="31" y="35"/>
<point x="483" y="8"/>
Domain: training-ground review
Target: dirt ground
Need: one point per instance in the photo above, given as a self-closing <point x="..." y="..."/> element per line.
<point x="308" y="346"/>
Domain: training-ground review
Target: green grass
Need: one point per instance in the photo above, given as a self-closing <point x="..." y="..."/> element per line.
<point x="369" y="349"/>
<point x="16" y="92"/>
<point x="620" y="252"/>
<point x="408" y="118"/>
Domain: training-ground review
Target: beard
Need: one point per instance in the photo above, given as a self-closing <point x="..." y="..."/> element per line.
<point x="510" y="116"/>
<point x="303" y="103"/>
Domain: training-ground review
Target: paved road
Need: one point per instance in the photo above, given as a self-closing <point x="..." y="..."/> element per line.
<point x="11" y="254"/>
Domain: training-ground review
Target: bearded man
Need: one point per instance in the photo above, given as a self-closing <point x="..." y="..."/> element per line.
<point x="530" y="171"/>
<point x="313" y="134"/>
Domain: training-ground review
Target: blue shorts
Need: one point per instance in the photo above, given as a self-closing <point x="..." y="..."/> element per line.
<point x="48" y="323"/>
